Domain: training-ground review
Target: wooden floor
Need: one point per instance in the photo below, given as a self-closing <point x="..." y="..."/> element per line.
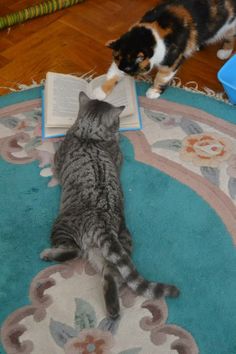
<point x="73" y="41"/>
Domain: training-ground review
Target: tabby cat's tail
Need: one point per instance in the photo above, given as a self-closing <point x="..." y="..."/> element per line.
<point x="114" y="253"/>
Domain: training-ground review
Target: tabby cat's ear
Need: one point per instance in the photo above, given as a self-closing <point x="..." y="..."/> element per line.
<point x="83" y="98"/>
<point x="114" y="116"/>
<point x="113" y="44"/>
<point x="117" y="110"/>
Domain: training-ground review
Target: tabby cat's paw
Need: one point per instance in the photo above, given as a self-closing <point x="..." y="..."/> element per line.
<point x="224" y="54"/>
<point x="46" y="255"/>
<point x="99" y="94"/>
<point x="152" y="93"/>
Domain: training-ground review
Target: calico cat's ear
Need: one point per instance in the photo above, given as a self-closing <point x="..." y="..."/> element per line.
<point x="83" y="98"/>
<point x="113" y="44"/>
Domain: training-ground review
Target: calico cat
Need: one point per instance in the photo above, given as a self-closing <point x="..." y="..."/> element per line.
<point x="167" y="35"/>
<point x="91" y="222"/>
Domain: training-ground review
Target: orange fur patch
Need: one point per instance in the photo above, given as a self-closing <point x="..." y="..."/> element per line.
<point x="182" y="13"/>
<point x="108" y="85"/>
<point x="213" y="9"/>
<point x="186" y="17"/>
<point x="229" y="7"/>
<point x="192" y="41"/>
<point x="163" y="32"/>
<point x="144" y="64"/>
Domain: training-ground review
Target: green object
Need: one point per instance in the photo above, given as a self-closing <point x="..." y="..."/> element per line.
<point x="44" y="8"/>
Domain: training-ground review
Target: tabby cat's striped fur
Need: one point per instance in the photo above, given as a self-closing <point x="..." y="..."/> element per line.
<point x="91" y="221"/>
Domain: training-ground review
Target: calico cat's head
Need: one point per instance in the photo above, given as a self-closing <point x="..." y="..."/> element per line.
<point x="97" y="120"/>
<point x="134" y="50"/>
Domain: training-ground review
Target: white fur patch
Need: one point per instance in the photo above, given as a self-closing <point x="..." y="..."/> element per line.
<point x="222" y="32"/>
<point x="125" y="270"/>
<point x="224" y="53"/>
<point x="152" y="93"/>
<point x="96" y="259"/>
<point x="114" y="71"/>
<point x="159" y="51"/>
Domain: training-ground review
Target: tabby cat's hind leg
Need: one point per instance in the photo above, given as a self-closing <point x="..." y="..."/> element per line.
<point x="228" y="45"/>
<point x="59" y="254"/>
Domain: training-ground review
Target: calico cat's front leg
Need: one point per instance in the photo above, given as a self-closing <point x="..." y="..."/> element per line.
<point x="163" y="77"/>
<point x="114" y="75"/>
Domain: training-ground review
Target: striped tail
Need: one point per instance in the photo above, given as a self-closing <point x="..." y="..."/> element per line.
<point x="114" y="253"/>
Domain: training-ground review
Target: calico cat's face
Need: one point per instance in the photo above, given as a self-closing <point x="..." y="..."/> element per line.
<point x="133" y="50"/>
<point x="96" y="120"/>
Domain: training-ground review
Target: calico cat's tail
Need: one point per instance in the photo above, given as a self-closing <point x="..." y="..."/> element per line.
<point x="114" y="253"/>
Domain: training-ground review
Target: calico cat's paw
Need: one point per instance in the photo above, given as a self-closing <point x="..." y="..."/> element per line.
<point x="224" y="54"/>
<point x="99" y="94"/>
<point x="152" y="93"/>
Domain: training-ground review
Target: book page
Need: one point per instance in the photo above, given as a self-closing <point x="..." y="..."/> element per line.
<point x="132" y="121"/>
<point x="121" y="94"/>
<point x="62" y="98"/>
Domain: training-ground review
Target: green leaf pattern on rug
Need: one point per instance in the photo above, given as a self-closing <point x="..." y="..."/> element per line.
<point x="61" y="332"/>
<point x="131" y="351"/>
<point x="155" y="115"/>
<point x="107" y="324"/>
<point x="85" y="316"/>
<point x="190" y="127"/>
<point x="33" y="143"/>
<point x="85" y="325"/>
<point x="211" y="173"/>
<point x="10" y="122"/>
<point x="169" y="144"/>
<point x="232" y="187"/>
<point x="165" y="120"/>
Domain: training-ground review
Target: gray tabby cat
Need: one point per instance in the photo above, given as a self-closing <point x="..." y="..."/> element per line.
<point x="91" y="222"/>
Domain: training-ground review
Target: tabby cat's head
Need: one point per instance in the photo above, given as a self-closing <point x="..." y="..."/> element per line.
<point x="133" y="51"/>
<point x="97" y="120"/>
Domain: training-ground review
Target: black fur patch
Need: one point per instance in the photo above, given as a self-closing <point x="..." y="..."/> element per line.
<point x="111" y="297"/>
<point x="66" y="255"/>
<point x="142" y="287"/>
<point x="138" y="39"/>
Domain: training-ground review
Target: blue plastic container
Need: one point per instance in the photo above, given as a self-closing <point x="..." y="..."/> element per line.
<point x="227" y="76"/>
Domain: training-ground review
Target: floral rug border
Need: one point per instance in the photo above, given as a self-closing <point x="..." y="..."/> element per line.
<point x="12" y="329"/>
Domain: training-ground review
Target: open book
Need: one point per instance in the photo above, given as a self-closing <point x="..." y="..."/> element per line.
<point x="61" y="103"/>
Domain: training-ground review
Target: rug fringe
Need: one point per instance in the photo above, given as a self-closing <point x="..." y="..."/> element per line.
<point x="191" y="86"/>
<point x="22" y="87"/>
